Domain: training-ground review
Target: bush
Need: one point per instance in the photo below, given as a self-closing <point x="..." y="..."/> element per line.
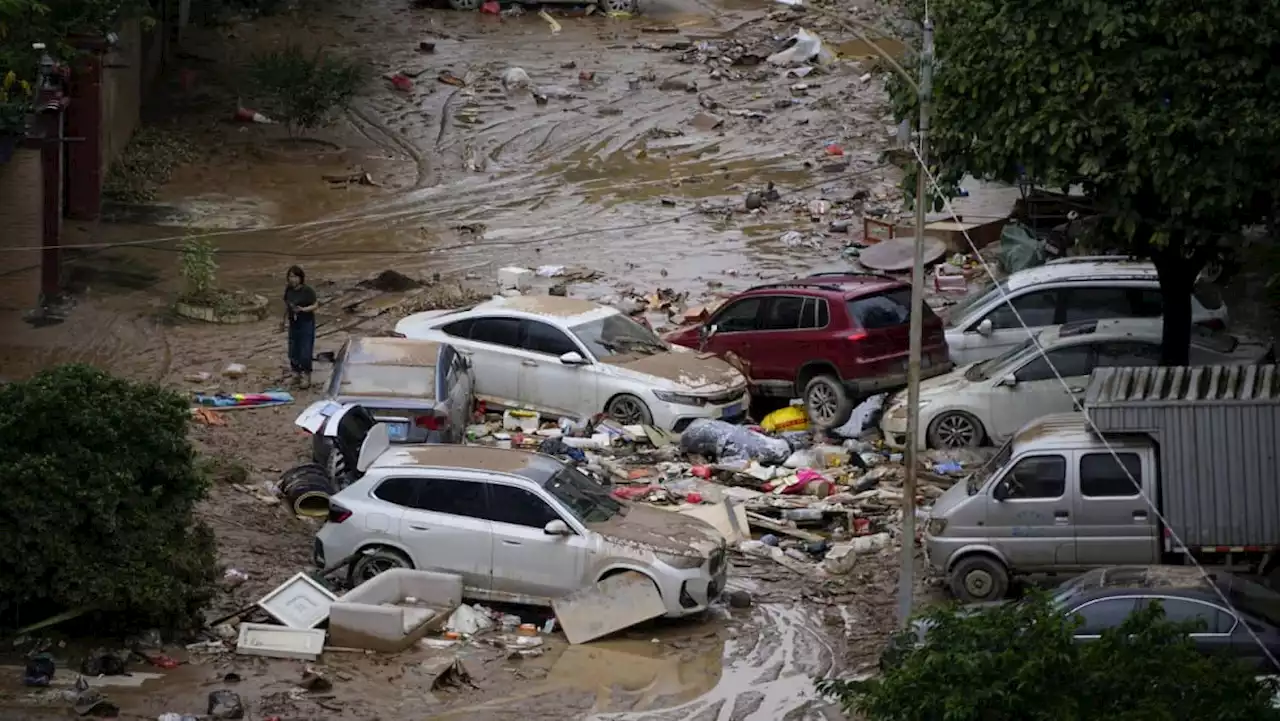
<point x="1018" y="662"/>
<point x="100" y="484"/>
<point x="302" y="90"/>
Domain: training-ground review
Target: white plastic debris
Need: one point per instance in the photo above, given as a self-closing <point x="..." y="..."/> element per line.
<point x="805" y="47"/>
<point x="467" y="621"/>
<point x="515" y="79"/>
<point x="514" y="278"/>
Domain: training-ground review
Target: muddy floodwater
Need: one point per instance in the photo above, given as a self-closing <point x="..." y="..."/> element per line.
<point x="627" y="159"/>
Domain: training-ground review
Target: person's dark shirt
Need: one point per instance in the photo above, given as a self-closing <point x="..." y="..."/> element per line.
<point x="298" y="297"/>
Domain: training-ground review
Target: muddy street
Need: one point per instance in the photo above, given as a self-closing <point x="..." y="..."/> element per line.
<point x="626" y="160"/>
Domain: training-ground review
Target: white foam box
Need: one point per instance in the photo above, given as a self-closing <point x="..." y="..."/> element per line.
<point x="513" y="278"/>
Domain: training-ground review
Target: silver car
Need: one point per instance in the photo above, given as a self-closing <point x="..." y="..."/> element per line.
<point x="518" y="527"/>
<point x="422" y="390"/>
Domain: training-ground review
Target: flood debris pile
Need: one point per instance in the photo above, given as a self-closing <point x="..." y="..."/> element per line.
<point x="809" y="501"/>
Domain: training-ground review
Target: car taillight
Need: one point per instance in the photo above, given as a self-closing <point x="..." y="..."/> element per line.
<point x="857" y="335"/>
<point x="337" y="514"/>
<point x="431" y="423"/>
<point x="1213" y="324"/>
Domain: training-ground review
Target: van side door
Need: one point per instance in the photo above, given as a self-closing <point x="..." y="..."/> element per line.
<point x="1113" y="523"/>
<point x="1029" y="513"/>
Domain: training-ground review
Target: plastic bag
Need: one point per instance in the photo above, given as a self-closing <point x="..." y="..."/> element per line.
<point x="804" y="47"/>
<point x="1020" y="248"/>
<point x="727" y="442"/>
<point x="791" y="418"/>
<point x="864" y="414"/>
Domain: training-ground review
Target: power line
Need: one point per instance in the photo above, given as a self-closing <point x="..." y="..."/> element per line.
<point x="1004" y="296"/>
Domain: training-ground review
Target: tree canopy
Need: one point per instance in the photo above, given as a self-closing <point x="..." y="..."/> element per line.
<point x="99" y="486"/>
<point x="1018" y="662"/>
<point x="1167" y="113"/>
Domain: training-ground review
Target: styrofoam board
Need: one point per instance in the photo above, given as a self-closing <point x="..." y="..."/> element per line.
<point x="264" y="639"/>
<point x="301" y="602"/>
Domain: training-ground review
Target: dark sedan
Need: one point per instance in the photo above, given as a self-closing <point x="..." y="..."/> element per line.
<point x="1103" y="598"/>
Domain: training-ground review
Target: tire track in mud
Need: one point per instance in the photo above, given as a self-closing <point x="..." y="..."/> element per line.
<point x="392" y="141"/>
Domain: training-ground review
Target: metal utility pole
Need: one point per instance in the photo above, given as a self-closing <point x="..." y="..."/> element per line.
<point x="906" y="576"/>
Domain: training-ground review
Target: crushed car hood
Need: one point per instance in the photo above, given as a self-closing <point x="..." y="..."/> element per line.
<point x="662" y="531"/>
<point x="695" y="371"/>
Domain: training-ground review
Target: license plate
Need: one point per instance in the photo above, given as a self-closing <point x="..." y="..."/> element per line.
<point x="397" y="431"/>
<point x="731" y="411"/>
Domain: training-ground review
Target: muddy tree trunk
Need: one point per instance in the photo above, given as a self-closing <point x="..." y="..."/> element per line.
<point x="1177" y="283"/>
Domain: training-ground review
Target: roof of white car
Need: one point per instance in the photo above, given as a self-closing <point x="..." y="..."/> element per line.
<point x="534" y="466"/>
<point x="568" y="310"/>
<point x="1149" y="329"/>
<point x="378" y="351"/>
<point x="1082" y="269"/>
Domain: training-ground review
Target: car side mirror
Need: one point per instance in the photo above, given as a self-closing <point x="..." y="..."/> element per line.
<point x="984" y="328"/>
<point x="1001" y="491"/>
<point x="556" y="528"/>
<point x="572" y="358"/>
<point x="1009" y="381"/>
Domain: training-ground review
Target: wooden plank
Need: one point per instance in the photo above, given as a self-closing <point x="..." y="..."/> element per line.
<point x="611" y="605"/>
<point x="759" y="521"/>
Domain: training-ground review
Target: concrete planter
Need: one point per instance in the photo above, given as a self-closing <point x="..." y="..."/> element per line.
<point x="244" y="308"/>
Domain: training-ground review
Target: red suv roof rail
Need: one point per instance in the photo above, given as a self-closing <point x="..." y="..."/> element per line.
<point x="797" y="284"/>
<point x="855" y="274"/>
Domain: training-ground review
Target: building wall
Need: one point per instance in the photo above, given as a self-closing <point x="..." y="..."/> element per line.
<point x="122" y="73"/>
<point x="21" y="208"/>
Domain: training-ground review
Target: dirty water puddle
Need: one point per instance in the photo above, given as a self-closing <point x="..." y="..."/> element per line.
<point x="766" y="673"/>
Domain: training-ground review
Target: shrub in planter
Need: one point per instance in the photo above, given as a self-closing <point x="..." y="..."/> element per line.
<point x="100" y="485"/>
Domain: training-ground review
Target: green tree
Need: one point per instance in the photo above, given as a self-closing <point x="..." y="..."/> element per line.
<point x="1018" y="662"/>
<point x="1167" y="113"/>
<point x="100" y="486"/>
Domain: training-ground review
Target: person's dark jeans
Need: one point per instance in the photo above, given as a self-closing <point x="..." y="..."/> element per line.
<point x="302" y="343"/>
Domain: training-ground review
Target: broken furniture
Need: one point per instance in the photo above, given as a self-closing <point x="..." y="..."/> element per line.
<point x="394" y="609"/>
<point x="300" y="602"/>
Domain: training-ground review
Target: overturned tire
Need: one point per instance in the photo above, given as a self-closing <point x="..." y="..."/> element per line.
<point x="306" y="488"/>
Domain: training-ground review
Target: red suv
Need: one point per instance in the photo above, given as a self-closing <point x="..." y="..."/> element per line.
<point x="831" y="338"/>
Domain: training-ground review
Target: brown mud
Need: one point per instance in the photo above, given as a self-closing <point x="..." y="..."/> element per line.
<point x="616" y="173"/>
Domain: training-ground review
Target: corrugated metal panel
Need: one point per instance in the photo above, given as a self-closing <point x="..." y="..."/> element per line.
<point x="1218" y="428"/>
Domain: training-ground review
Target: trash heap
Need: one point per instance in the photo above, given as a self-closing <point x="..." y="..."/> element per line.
<point x="811" y="501"/>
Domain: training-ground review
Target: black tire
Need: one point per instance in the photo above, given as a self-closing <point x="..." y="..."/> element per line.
<point x="306" y="489"/>
<point x="955" y="429"/>
<point x="368" y="565"/>
<point x="321" y="449"/>
<point x="628" y="410"/>
<point x="826" y="402"/>
<point x="465" y="5"/>
<point x="625" y="6"/>
<point x="979" y="578"/>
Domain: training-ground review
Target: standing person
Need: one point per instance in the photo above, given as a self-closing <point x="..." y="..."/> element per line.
<point x="300" y="320"/>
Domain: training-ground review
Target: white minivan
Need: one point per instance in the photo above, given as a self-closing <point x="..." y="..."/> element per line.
<point x="1066" y="290"/>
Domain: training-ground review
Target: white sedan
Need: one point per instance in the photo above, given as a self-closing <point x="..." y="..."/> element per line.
<point x="990" y="400"/>
<point x="569" y="357"/>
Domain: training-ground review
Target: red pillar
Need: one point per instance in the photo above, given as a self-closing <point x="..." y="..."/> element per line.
<point x="84" y="121"/>
<point x="52" y="122"/>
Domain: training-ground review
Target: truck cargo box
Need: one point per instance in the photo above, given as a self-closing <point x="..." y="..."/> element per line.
<point x="1217" y="429"/>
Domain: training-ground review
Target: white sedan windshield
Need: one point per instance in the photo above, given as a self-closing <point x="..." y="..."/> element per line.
<point x="616" y="335"/>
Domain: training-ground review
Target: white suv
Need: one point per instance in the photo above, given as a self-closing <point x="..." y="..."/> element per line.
<point x="1061" y="291"/>
<point x="518" y="527"/>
